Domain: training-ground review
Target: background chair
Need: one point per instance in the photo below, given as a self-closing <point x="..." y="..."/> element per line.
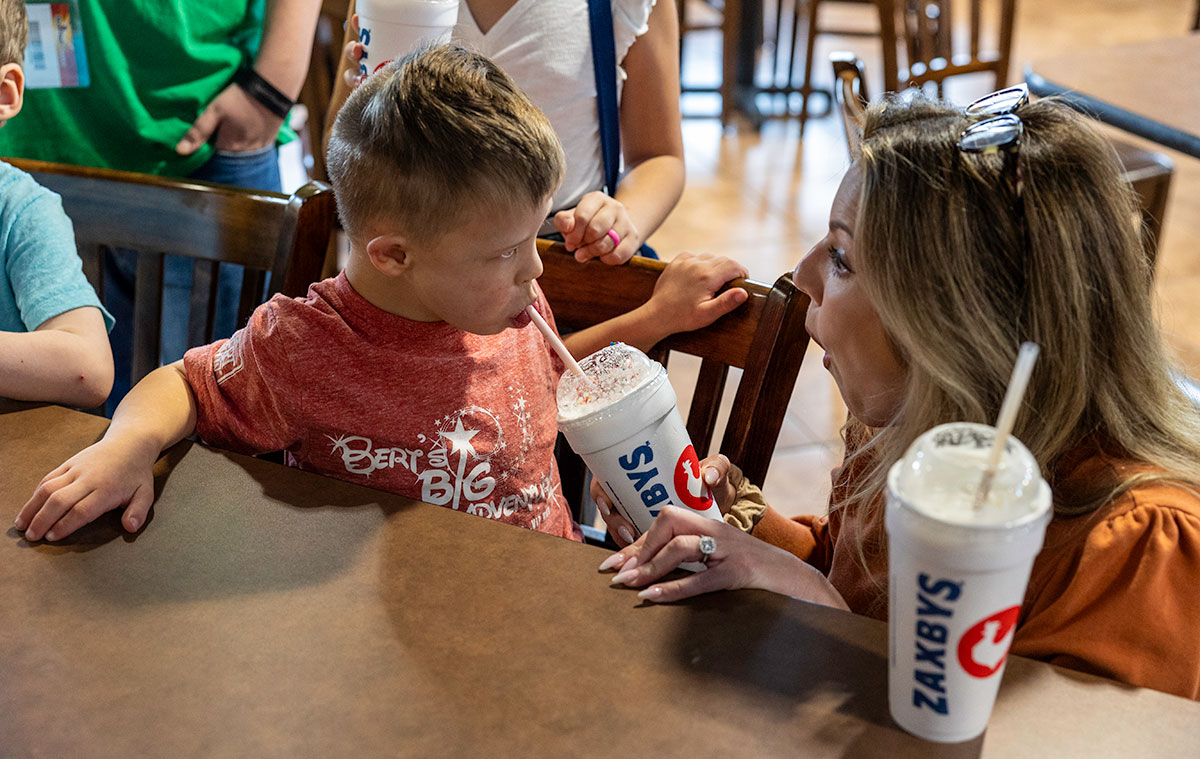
<point x="1147" y="171"/>
<point x="279" y="239"/>
<point x="764" y="337"/>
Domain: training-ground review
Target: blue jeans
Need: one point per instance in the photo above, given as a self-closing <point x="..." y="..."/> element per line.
<point x="258" y="170"/>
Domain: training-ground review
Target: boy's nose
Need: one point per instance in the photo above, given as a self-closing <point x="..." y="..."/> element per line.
<point x="533" y="264"/>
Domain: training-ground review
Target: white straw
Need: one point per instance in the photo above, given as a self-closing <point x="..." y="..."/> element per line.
<point x="1008" y="415"/>
<point x="554" y="341"/>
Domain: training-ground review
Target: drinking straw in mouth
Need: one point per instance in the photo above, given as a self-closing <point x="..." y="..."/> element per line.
<point x="554" y="341"/>
<point x="1008" y="415"/>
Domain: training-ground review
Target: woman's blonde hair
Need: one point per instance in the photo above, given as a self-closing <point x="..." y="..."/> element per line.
<point x="959" y="283"/>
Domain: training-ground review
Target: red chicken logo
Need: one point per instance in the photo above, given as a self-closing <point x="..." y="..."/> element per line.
<point x="688" y="485"/>
<point x="983" y="648"/>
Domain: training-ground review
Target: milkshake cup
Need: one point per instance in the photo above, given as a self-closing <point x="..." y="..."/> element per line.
<point x="623" y="420"/>
<point x="391" y="29"/>
<point x="957" y="575"/>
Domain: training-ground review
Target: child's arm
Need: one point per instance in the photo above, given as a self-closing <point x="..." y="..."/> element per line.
<point x="684" y="299"/>
<point x="67" y="360"/>
<point x="652" y="145"/>
<point x="117" y="471"/>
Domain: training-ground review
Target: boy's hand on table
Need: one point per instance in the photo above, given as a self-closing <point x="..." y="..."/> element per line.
<point x="685" y="296"/>
<point x="239" y="122"/>
<point x="585" y="229"/>
<point x="101" y="477"/>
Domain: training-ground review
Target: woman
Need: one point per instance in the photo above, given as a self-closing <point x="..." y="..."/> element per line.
<point x="938" y="263"/>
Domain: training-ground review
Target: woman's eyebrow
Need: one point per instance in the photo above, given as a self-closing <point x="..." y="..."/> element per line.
<point x="843" y="227"/>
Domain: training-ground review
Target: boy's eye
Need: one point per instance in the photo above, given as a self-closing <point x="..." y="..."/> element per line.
<point x="838" y="257"/>
<point x="509" y="253"/>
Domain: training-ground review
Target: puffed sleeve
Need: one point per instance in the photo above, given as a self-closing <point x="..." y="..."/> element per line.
<point x="807" y="537"/>
<point x="630" y="21"/>
<point x="245" y="390"/>
<point x="1118" y="597"/>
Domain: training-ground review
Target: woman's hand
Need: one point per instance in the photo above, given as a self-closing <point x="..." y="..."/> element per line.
<point x="715" y="470"/>
<point x="585" y="229"/>
<point x="738" y="561"/>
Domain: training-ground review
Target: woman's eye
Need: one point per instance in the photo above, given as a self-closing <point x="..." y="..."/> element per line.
<point x="509" y="253"/>
<point x="838" y="257"/>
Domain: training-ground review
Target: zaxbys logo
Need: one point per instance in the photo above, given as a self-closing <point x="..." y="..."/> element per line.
<point x="935" y="605"/>
<point x="980" y="651"/>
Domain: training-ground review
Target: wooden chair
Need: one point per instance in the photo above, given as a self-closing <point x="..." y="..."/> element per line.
<point x="1148" y="172"/>
<point x="273" y="236"/>
<point x="764" y="337"/>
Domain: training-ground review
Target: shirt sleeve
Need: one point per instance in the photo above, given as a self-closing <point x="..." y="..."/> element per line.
<point x="1125" y="606"/>
<point x="245" y="389"/>
<point x="807" y="537"/>
<point x="44" y="268"/>
<point x="631" y="19"/>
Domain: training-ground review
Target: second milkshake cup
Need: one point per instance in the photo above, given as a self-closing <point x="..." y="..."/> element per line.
<point x="391" y="29"/>
<point x="625" y="423"/>
<point x="957" y="576"/>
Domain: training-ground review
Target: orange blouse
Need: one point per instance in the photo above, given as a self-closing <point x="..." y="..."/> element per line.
<point x="1115" y="592"/>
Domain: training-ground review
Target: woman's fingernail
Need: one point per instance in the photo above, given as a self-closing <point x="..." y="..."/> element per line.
<point x="624" y="576"/>
<point x="651" y="594"/>
<point x="711" y="475"/>
<point x="133" y="524"/>
<point x="602" y="504"/>
<point x="51" y="535"/>
<point x="624" y="533"/>
<point x="612" y="561"/>
<point x="19" y="524"/>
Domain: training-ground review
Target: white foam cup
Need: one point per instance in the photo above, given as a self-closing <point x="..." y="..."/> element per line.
<point x="391" y="29"/>
<point x="957" y="576"/>
<point x="626" y="425"/>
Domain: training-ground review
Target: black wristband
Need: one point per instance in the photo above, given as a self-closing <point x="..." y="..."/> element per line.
<point x="263" y="91"/>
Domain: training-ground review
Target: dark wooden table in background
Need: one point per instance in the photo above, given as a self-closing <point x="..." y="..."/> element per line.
<point x="1150" y="88"/>
<point x="269" y="612"/>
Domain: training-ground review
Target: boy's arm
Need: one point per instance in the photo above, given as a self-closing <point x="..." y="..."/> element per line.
<point x="67" y="360"/>
<point x="117" y="471"/>
<point x="685" y="298"/>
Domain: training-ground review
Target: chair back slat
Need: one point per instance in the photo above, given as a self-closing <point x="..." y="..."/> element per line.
<point x="147" y="313"/>
<point x="706" y="404"/>
<point x="927" y="31"/>
<point x="203" y="302"/>
<point x="277" y="238"/>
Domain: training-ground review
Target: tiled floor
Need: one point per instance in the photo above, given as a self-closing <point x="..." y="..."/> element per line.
<point x="764" y="199"/>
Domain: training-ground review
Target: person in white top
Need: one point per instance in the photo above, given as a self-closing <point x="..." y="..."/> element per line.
<point x="545" y="46"/>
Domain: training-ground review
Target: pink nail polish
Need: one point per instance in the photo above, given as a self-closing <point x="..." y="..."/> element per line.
<point x="612" y="561"/>
<point x="624" y="533"/>
<point x="624" y="576"/>
<point x="651" y="594"/>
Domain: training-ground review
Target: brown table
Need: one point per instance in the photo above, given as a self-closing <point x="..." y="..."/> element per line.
<point x="269" y="612"/>
<point x="1147" y="88"/>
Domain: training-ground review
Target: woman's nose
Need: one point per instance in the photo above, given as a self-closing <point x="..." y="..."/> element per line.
<point x="806" y="276"/>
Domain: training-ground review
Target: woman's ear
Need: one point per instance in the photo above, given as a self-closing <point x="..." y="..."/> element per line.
<point x="389" y="255"/>
<point x="12" y="90"/>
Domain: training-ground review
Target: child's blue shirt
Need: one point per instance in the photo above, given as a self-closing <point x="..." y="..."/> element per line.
<point x="41" y="275"/>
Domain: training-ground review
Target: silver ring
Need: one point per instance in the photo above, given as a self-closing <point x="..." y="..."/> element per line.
<point x="708" y="546"/>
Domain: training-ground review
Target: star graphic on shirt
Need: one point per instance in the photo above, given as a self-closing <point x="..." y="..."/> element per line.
<point x="460" y="438"/>
<point x="520" y="404"/>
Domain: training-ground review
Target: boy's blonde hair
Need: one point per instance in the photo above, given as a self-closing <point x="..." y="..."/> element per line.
<point x="14" y="32"/>
<point x="436" y="134"/>
<point x="959" y="284"/>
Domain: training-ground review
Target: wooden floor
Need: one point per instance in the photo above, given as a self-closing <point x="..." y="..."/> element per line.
<point x="764" y="199"/>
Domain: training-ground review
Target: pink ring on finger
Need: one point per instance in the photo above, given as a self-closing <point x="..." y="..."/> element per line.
<point x="616" y="238"/>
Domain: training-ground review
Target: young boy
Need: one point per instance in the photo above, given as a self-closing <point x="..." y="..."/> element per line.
<point x="415" y="370"/>
<point x="53" y="330"/>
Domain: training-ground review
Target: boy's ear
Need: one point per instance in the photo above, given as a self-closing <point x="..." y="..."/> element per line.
<point x="12" y="90"/>
<point x="389" y="254"/>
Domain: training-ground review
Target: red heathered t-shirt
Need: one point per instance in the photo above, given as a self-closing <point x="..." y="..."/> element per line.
<point x="422" y="409"/>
